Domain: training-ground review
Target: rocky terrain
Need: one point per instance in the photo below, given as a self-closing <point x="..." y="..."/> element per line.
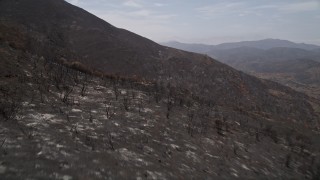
<point x="71" y="108"/>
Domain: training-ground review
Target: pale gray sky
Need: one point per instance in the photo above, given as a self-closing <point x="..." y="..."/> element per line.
<point x="212" y="21"/>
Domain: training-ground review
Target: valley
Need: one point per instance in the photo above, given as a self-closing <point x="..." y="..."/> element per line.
<point x="291" y="64"/>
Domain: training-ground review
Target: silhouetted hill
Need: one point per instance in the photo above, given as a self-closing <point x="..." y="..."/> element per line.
<point x="269" y="49"/>
<point x="83" y="99"/>
<point x="261" y="44"/>
<point x="267" y="44"/>
<point x="246" y="56"/>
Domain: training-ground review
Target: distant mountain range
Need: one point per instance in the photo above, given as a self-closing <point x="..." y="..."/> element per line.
<point x="265" y="56"/>
<point x="264" y="44"/>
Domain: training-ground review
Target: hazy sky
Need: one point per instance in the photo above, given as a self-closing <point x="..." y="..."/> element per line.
<point x="212" y="21"/>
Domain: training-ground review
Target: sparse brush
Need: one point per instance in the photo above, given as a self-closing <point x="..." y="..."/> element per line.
<point x="4" y="140"/>
<point x="126" y="102"/>
<point x="9" y="108"/>
<point x="110" y="140"/>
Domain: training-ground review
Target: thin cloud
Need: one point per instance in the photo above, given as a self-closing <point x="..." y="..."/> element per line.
<point x="142" y="12"/>
<point x="243" y="9"/>
<point x="159" y="4"/>
<point x="220" y="8"/>
<point x="133" y="4"/>
<point x="152" y="16"/>
<point x="239" y="9"/>
<point x="301" y="7"/>
<point x="152" y="23"/>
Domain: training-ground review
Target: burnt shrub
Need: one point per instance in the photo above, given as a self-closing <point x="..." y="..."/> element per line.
<point x="10" y="104"/>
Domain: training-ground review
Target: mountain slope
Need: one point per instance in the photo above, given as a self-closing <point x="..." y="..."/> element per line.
<point x="60" y="123"/>
<point x="81" y="98"/>
<point x="73" y="28"/>
<point x="101" y="46"/>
